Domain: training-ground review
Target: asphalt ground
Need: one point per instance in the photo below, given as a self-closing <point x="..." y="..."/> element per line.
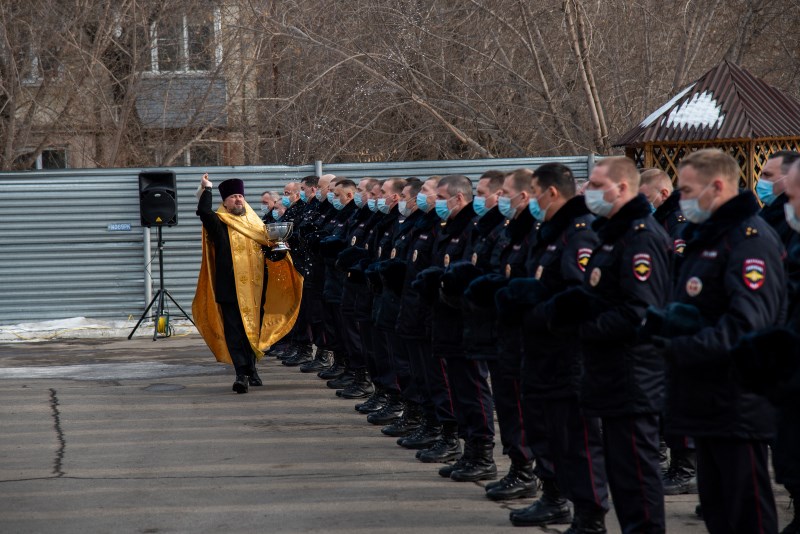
<point x="143" y="436"/>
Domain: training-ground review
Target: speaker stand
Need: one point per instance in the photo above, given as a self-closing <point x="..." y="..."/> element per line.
<point x="160" y="294"/>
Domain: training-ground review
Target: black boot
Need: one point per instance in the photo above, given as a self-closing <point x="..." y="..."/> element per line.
<point x="424" y="436"/>
<point x="468" y="455"/>
<point x="375" y="402"/>
<point x="303" y="355"/>
<point x="794" y="526"/>
<point x="663" y="456"/>
<point x="518" y="483"/>
<point x="587" y="521"/>
<point x="408" y="422"/>
<point x="255" y="380"/>
<point x="681" y="477"/>
<point x="550" y="509"/>
<point x="391" y="411"/>
<point x="287" y="351"/>
<point x="336" y="370"/>
<point x="343" y="380"/>
<point x="482" y="467"/>
<point x="447" y="448"/>
<point x="321" y="361"/>
<point x="360" y="388"/>
<point x="241" y="384"/>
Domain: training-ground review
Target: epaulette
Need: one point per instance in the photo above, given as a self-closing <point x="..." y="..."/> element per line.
<point x="581" y="226"/>
<point x="680" y="217"/>
<point x="750" y="231"/>
<point x="639" y="226"/>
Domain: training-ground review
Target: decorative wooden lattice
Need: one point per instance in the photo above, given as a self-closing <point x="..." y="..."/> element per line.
<point x="751" y="155"/>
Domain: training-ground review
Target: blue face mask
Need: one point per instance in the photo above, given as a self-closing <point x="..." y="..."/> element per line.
<point x="330" y="196"/>
<point x="422" y="202"/>
<point x="303" y="196"/>
<point x="318" y="195"/>
<point x="652" y="208"/>
<point x="479" y="205"/>
<point x="382" y="206"/>
<point x="504" y="205"/>
<point x="337" y="204"/>
<point x="596" y="203"/>
<point x="765" y="190"/>
<point x="265" y="209"/>
<point x="536" y="210"/>
<point x="791" y="217"/>
<point x="403" y="208"/>
<point x="285" y="201"/>
<point x="441" y="209"/>
<point x="359" y="200"/>
<point x="372" y="205"/>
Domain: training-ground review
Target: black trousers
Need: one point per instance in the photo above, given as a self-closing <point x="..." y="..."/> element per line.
<point x="576" y="445"/>
<point x="734" y="486"/>
<point x="510" y="418"/>
<point x="419" y="352"/>
<point x="352" y="342"/>
<point x="236" y="339"/>
<point x="630" y="446"/>
<point x="437" y="385"/>
<point x="412" y="385"/>
<point x="333" y="328"/>
<point x="472" y="398"/>
<point x="382" y="372"/>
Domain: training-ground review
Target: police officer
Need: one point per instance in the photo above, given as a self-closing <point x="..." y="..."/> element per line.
<point x="771" y="190"/>
<point x="414" y="327"/>
<point x="730" y="282"/>
<point x="552" y="366"/>
<point x="623" y="381"/>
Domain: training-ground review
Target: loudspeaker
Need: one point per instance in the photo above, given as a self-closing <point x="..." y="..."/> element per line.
<point x="158" y="198"/>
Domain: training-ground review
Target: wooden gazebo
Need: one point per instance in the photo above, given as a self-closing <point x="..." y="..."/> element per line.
<point x="727" y="108"/>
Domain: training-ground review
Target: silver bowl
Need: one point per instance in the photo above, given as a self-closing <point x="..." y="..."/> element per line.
<point x="279" y="232"/>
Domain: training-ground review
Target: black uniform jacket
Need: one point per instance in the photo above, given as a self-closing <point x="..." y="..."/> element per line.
<point x="776" y="217"/>
<point x="732" y="271"/>
<point x="563" y="249"/>
<point x="451" y="246"/>
<point x="224" y="281"/>
<point x="414" y="315"/>
<point x="628" y="272"/>
<point x="670" y="216"/>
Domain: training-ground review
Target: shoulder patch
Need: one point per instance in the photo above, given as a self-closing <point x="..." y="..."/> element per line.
<point x="584" y="255"/>
<point x="754" y="271"/>
<point x="642" y="266"/>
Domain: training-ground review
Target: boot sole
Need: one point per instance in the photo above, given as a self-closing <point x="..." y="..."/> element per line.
<point x="563" y="519"/>
<point x="240" y="388"/>
<point x="439" y="459"/>
<point x="485" y="476"/>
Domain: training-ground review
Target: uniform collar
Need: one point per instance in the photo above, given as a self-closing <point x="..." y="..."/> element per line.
<point x="727" y="216"/>
<point x="669" y="206"/>
<point x="611" y="229"/>
<point x="573" y="208"/>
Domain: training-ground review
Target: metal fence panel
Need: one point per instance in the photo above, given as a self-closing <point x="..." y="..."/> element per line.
<point x="72" y="243"/>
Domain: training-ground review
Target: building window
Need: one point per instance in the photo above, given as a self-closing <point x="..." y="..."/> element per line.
<point x="186" y="42"/>
<point x="50" y="158"/>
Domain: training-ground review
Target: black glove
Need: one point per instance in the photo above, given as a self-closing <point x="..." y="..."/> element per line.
<point x="349" y="257"/>
<point x="331" y="246"/>
<point x="427" y="283"/>
<point x="673" y="320"/>
<point x="313" y="241"/>
<point x="520" y="295"/>
<point x="393" y="275"/>
<point x="373" y="274"/>
<point x="570" y="308"/>
<point x="481" y="291"/>
<point x="457" y="277"/>
<point x="356" y="271"/>
<point x="305" y="229"/>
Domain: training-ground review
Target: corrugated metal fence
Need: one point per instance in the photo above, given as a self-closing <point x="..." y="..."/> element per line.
<point x="72" y="244"/>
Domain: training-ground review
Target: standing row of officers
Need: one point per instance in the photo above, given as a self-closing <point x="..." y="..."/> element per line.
<point x="592" y="324"/>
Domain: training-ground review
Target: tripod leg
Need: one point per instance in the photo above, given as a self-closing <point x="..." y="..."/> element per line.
<point x="179" y="307"/>
<point x="144" y="314"/>
<point x="159" y="312"/>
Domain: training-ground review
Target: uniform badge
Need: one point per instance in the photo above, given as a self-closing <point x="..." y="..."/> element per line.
<point x="539" y="271"/>
<point x="678" y="246"/>
<point x="584" y="255"/>
<point x="642" y="267"/>
<point x="447" y="260"/>
<point x="474" y="259"/>
<point x="353" y="241"/>
<point x="393" y="254"/>
<point x="594" y="278"/>
<point x="414" y="256"/>
<point x="694" y="286"/>
<point x="754" y="272"/>
<point x="508" y="270"/>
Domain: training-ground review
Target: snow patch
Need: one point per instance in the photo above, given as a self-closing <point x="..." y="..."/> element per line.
<point x="701" y="110"/>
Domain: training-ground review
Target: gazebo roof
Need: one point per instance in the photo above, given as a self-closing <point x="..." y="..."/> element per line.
<point x="727" y="102"/>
